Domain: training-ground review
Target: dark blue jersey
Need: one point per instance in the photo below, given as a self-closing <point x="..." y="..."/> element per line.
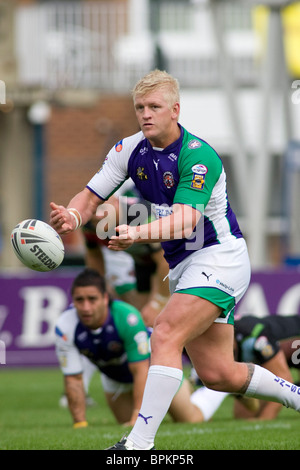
<point x="122" y="339"/>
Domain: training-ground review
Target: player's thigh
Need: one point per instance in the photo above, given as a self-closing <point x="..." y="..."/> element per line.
<point x="184" y="317"/>
<point x="219" y="274"/>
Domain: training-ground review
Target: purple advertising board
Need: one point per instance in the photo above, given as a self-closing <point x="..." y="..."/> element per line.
<point x="31" y="302"/>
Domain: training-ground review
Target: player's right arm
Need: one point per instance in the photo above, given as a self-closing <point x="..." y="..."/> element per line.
<point x="101" y="186"/>
<point x="71" y="365"/>
<point x="79" y="211"/>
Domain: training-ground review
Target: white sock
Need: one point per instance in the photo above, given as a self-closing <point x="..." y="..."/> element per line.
<point x="208" y="401"/>
<point x="268" y="386"/>
<point x="161" y="385"/>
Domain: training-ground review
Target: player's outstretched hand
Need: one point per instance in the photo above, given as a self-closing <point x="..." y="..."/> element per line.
<point x="61" y="219"/>
<point x="127" y="236"/>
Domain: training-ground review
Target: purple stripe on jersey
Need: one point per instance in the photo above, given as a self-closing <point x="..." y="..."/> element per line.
<point x="92" y="191"/>
<point x="233" y="223"/>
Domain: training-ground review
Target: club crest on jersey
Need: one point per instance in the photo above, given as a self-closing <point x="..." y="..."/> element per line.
<point x="140" y="173"/>
<point x="199" y="172"/>
<point x="168" y="179"/>
<point x="114" y="346"/>
<point x="194" y="144"/>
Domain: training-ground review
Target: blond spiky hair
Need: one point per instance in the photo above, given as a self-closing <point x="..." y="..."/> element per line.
<point x="158" y="79"/>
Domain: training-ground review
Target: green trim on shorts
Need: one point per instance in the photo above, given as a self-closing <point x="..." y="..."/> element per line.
<point x="217" y="297"/>
<point x="120" y="290"/>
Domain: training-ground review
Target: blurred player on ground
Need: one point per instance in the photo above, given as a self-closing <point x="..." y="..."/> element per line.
<point x="111" y="335"/>
<point x="273" y="343"/>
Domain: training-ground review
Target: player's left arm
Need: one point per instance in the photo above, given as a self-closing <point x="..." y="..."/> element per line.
<point x="74" y="389"/>
<point x="179" y="224"/>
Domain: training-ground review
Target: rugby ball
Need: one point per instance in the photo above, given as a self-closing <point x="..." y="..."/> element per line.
<point x="37" y="245"/>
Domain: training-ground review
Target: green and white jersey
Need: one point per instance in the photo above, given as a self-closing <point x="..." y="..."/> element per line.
<point x="189" y="172"/>
<point x="122" y="339"/>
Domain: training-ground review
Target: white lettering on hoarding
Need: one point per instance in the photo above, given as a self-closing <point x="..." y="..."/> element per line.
<point x="42" y="306"/>
<point x="2" y="353"/>
<point x="2" y="92"/>
<point x="289" y="302"/>
<point x="255" y="303"/>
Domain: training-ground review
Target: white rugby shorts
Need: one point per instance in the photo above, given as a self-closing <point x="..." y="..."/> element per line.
<point x="218" y="273"/>
<point x="113" y="386"/>
<point x="119" y="270"/>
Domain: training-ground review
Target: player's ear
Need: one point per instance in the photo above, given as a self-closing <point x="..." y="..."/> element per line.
<point x="176" y="110"/>
<point x="106" y="298"/>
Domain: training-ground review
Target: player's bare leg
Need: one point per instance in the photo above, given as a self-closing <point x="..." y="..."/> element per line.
<point x="184" y="318"/>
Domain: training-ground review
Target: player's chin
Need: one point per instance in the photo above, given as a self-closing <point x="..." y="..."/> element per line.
<point x="148" y="130"/>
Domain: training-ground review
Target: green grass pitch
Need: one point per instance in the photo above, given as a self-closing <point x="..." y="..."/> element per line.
<point x="30" y="419"/>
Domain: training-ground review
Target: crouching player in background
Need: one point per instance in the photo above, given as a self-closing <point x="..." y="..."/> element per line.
<point x="271" y="342"/>
<point x="113" y="336"/>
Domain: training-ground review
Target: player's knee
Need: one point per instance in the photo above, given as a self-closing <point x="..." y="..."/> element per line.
<point x="160" y="335"/>
<point x="216" y="378"/>
<point x="164" y="336"/>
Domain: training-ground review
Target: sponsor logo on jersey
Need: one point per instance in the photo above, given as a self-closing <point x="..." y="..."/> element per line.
<point x="144" y="150"/>
<point x="132" y="319"/>
<point x="225" y="286"/>
<point x="264" y="347"/>
<point x="82" y="336"/>
<point x="161" y="210"/>
<point x="194" y="144"/>
<point x="119" y="146"/>
<point x="199" y="172"/>
<point x="59" y="333"/>
<point x="198" y="182"/>
<point x="168" y="179"/>
<point x="140" y="174"/>
<point x="142" y="342"/>
<point x="199" y="169"/>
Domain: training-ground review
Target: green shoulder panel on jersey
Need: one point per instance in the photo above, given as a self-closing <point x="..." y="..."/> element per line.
<point x="199" y="169"/>
<point x="132" y="330"/>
